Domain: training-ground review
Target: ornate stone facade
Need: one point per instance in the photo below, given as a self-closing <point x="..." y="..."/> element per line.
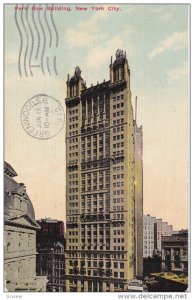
<point x="19" y="238"/>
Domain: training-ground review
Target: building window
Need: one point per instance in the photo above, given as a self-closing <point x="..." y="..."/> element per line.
<point x="8" y="246"/>
<point x="121" y="274"/>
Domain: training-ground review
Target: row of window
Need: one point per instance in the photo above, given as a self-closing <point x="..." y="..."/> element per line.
<point x="121" y="97"/>
<point x="73" y="119"/>
<point x="95" y="233"/>
<point x="119" y="121"/>
<point x="73" y="133"/>
<point x="118" y="145"/>
<point x="118" y="216"/>
<point x="118" y="176"/>
<point x="73" y="204"/>
<point x="118" y="184"/>
<point x="119" y="152"/>
<point x="73" y="126"/>
<point x="119" y="240"/>
<point x="118" y="168"/>
<point x="94" y="240"/>
<point x="73" y="233"/>
<point x="118" y="200"/>
<point x="118" y="137"/>
<point x="89" y="248"/>
<point x="73" y="240"/>
<point x="101" y="203"/>
<point x="74" y="190"/>
<point x="118" y="129"/>
<point x="96" y="273"/>
<point x="73" y="111"/>
<point x="72" y="176"/>
<point x="95" y="226"/>
<point x="119" y="248"/>
<point x="118" y="208"/>
<point x="118" y="113"/>
<point x="73" y="197"/>
<point x="99" y="196"/>
<point x="118" y="105"/>
<point x="73" y="140"/>
<point x="100" y="264"/>
<point x="119" y="232"/>
<point x="119" y="192"/>
<point x="118" y="225"/>
<point x="98" y="256"/>
<point x="74" y="147"/>
<point x="150" y="237"/>
<point x="94" y="210"/>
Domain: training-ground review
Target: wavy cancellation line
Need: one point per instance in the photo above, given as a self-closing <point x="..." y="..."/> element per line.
<point x="21" y="43"/>
<point x="32" y="44"/>
<point x="38" y="38"/>
<point x="37" y="32"/>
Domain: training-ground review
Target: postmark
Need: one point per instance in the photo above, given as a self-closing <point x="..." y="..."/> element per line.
<point x="38" y="39"/>
<point x="42" y="117"/>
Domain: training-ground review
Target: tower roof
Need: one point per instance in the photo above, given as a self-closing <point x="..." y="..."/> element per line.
<point x="11" y="187"/>
<point x="120" y="58"/>
<point x="9" y="170"/>
<point x="77" y="76"/>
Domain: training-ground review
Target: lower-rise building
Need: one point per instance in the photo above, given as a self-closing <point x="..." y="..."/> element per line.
<point x="153" y="230"/>
<point x="51" y="253"/>
<point x="19" y="238"/>
<point x="175" y="252"/>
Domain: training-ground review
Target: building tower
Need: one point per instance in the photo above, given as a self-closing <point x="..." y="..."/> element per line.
<point x="100" y="172"/>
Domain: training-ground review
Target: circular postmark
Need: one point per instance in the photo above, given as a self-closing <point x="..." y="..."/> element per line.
<point x="42" y="117"/>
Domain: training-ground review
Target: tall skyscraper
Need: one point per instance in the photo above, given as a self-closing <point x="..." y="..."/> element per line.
<point x="101" y="252"/>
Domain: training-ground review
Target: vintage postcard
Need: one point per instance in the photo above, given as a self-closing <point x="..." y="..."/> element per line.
<point x="96" y="148"/>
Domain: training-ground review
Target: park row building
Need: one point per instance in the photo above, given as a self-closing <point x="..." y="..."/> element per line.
<point x="104" y="193"/>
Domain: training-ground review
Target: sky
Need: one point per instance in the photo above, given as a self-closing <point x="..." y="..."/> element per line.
<point x="155" y="38"/>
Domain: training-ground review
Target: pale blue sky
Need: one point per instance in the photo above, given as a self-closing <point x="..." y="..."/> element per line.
<point x="155" y="38"/>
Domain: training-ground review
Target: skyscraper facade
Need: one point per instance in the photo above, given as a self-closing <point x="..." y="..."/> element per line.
<point x="101" y="244"/>
<point x="138" y="183"/>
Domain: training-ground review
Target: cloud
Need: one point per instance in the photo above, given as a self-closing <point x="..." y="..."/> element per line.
<point x="179" y="72"/>
<point x="176" y="41"/>
<point x="86" y="32"/>
<point x="102" y="53"/>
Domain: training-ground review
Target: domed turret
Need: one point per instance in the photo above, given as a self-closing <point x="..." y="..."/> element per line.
<point x="76" y="84"/>
<point x="15" y="196"/>
<point x="119" y="70"/>
<point x="120" y="58"/>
